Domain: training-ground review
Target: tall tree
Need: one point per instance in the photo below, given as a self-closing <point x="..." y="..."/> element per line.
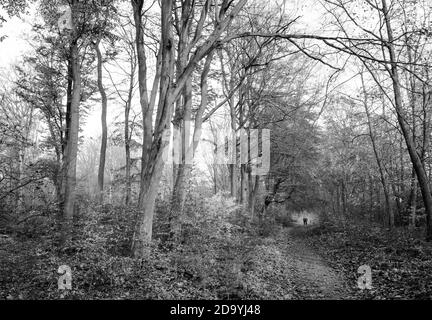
<point x="168" y="93"/>
<point x="71" y="152"/>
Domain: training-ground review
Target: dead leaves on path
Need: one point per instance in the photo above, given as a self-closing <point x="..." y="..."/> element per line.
<point x="401" y="263"/>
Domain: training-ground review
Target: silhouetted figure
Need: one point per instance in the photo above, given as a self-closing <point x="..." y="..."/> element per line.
<point x="305" y="221"/>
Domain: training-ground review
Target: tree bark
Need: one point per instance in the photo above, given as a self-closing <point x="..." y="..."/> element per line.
<point x="127" y="154"/>
<point x="168" y="93"/>
<point x="146" y="109"/>
<point x="415" y="159"/>
<point x="72" y="146"/>
<point x="102" y="156"/>
<point x="151" y="175"/>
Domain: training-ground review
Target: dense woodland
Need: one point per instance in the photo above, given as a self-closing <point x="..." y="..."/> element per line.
<point x="319" y="110"/>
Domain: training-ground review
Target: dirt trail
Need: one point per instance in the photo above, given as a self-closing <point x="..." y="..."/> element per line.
<point x="311" y="276"/>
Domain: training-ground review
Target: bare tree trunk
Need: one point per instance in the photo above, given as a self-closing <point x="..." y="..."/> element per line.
<point x="243" y="186"/>
<point x="389" y="211"/>
<point x="127" y="133"/>
<point x="143" y="227"/>
<point x="253" y="195"/>
<point x="233" y="166"/>
<point x="146" y="109"/>
<point x="128" y="155"/>
<point x="168" y="93"/>
<point x="232" y="176"/>
<point x="182" y="117"/>
<point x="412" y="100"/>
<point x="415" y="159"/>
<point x="152" y="173"/>
<point x="102" y="156"/>
<point x="178" y="199"/>
<point x="64" y="147"/>
<point x="184" y="168"/>
<point x="72" y="147"/>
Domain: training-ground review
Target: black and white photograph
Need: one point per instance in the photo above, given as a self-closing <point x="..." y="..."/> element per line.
<point x="223" y="152"/>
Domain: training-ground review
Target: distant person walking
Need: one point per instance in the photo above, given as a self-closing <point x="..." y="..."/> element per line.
<point x="305" y="221"/>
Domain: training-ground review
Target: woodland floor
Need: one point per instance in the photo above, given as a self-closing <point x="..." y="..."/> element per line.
<point x="280" y="267"/>
<point x="312" y="276"/>
<point x="296" y="262"/>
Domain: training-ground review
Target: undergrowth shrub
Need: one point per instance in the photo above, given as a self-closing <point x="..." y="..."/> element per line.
<point x="213" y="260"/>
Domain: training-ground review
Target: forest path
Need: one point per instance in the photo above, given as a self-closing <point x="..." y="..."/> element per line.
<point x="311" y="276"/>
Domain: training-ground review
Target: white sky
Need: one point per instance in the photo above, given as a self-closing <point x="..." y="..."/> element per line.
<point x="16" y="45"/>
<point x="19" y="30"/>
